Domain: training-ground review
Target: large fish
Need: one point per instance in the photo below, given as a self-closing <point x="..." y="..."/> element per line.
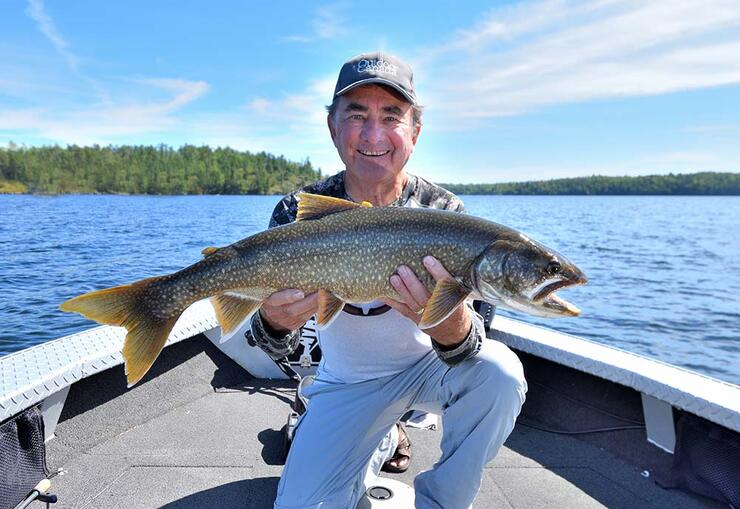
<point x="347" y="252"/>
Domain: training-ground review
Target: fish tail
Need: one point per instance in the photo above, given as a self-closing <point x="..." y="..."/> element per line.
<point x="130" y="306"/>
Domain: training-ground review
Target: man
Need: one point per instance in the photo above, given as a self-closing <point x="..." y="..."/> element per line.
<point x="377" y="364"/>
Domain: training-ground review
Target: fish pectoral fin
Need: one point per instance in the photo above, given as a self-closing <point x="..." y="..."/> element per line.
<point x="447" y="295"/>
<point x="329" y="308"/>
<point x="232" y="310"/>
<point x="208" y="251"/>
<point x="313" y="206"/>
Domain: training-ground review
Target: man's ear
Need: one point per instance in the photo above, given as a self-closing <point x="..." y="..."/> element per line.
<point x="417" y="129"/>
<point x="332" y="129"/>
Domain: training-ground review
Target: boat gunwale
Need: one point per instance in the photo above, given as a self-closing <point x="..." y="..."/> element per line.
<point x="86" y="353"/>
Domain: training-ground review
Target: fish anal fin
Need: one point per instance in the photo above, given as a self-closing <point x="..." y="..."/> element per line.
<point x="329" y="308"/>
<point x="208" y="251"/>
<point x="447" y="295"/>
<point x="313" y="206"/>
<point x="232" y="309"/>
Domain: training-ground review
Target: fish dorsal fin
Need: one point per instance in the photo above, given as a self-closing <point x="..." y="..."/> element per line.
<point x="447" y="295"/>
<point x="313" y="206"/>
<point x="329" y="308"/>
<point x="208" y="251"/>
<point x="232" y="309"/>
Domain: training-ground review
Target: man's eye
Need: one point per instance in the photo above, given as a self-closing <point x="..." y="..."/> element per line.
<point x="391" y="119"/>
<point x="356" y="117"/>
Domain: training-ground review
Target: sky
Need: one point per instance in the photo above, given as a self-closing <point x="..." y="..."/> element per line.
<point x="512" y="91"/>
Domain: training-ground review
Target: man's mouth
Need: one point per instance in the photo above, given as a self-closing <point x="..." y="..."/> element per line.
<point x="373" y="153"/>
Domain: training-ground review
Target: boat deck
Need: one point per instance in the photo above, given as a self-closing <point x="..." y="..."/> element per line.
<point x="199" y="432"/>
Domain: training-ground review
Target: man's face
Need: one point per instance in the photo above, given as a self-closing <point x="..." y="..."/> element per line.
<point x="374" y="132"/>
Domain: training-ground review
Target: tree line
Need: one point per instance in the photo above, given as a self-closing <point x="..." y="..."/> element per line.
<point x="190" y="169"/>
<point x="149" y="170"/>
<point x="705" y="183"/>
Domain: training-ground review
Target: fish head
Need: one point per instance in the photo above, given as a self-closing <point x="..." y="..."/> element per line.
<point x="523" y="275"/>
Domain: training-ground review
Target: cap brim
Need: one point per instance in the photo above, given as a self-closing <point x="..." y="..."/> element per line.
<point x="381" y="81"/>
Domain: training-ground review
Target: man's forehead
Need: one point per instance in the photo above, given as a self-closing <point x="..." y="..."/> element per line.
<point x="365" y="94"/>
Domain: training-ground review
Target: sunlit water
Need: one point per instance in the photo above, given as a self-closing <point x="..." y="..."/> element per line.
<point x="663" y="272"/>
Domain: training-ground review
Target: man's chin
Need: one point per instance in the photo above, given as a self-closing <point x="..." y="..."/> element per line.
<point x="370" y="172"/>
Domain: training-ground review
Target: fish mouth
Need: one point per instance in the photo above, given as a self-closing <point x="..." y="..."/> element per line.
<point x="547" y="298"/>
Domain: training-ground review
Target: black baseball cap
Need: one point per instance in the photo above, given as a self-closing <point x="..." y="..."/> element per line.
<point x="377" y="67"/>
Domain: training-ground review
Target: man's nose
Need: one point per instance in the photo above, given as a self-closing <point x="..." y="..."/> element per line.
<point x="372" y="131"/>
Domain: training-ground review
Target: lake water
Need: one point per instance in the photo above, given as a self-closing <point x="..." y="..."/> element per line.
<point x="663" y="271"/>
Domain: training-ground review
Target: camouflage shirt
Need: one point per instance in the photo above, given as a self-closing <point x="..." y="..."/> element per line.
<point x="416" y="193"/>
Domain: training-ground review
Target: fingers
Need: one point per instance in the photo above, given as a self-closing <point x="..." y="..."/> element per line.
<point x="435" y="268"/>
<point x="412" y="291"/>
<point x="288" y="310"/>
<point x="308" y="305"/>
<point x="403" y="309"/>
<point x="283" y="297"/>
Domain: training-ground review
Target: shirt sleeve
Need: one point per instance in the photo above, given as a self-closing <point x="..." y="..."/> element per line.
<point x="257" y="335"/>
<point x="275" y="347"/>
<point x="470" y="346"/>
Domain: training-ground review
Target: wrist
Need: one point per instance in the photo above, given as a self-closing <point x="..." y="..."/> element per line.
<point x="271" y="329"/>
<point x="451" y="344"/>
<point x="454" y="330"/>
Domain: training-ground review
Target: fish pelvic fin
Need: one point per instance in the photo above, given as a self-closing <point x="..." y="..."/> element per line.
<point x="314" y="206"/>
<point x="329" y="308"/>
<point x="125" y="306"/>
<point x="447" y="295"/>
<point x="233" y="309"/>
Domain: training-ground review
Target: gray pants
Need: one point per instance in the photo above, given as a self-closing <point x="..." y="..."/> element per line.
<point x="338" y="435"/>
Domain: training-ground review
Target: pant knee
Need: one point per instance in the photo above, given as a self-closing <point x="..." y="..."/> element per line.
<point x="500" y="371"/>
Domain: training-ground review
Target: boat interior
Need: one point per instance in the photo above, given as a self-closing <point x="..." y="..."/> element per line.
<point x="199" y="431"/>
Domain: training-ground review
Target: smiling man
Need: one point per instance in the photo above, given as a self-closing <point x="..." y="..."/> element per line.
<point x="377" y="364"/>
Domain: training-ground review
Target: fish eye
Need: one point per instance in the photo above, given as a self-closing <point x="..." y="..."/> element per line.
<point x="554" y="267"/>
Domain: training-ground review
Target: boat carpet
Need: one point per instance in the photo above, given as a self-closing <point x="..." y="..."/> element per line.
<point x="198" y="432"/>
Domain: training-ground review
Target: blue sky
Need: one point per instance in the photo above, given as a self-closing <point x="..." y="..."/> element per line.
<point x="512" y="90"/>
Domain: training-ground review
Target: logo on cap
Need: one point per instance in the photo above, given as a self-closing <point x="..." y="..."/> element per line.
<point x="376" y="66"/>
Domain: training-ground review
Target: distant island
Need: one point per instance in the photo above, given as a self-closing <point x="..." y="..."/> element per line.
<point x="189" y="169"/>
<point x="704" y="183"/>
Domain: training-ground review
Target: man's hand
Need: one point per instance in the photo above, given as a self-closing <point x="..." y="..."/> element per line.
<point x="414" y="296"/>
<point x="288" y="310"/>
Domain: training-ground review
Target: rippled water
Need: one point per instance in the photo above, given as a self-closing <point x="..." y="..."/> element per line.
<point x="663" y="270"/>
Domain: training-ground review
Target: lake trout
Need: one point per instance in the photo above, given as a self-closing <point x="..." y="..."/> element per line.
<point x="347" y="252"/>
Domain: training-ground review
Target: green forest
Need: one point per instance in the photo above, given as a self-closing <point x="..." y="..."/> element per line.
<point x="706" y="183"/>
<point x="148" y="170"/>
<point x="203" y="170"/>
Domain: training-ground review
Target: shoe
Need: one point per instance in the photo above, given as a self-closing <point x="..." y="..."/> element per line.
<point x="401" y="460"/>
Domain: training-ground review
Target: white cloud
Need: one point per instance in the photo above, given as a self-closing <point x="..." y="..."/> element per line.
<point x="730" y="131"/>
<point x="46" y="26"/>
<point x="293" y="125"/>
<point x="183" y="92"/>
<point x="683" y="157"/>
<point x="552" y="52"/>
<point x="109" y="124"/>
<point x="327" y="23"/>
